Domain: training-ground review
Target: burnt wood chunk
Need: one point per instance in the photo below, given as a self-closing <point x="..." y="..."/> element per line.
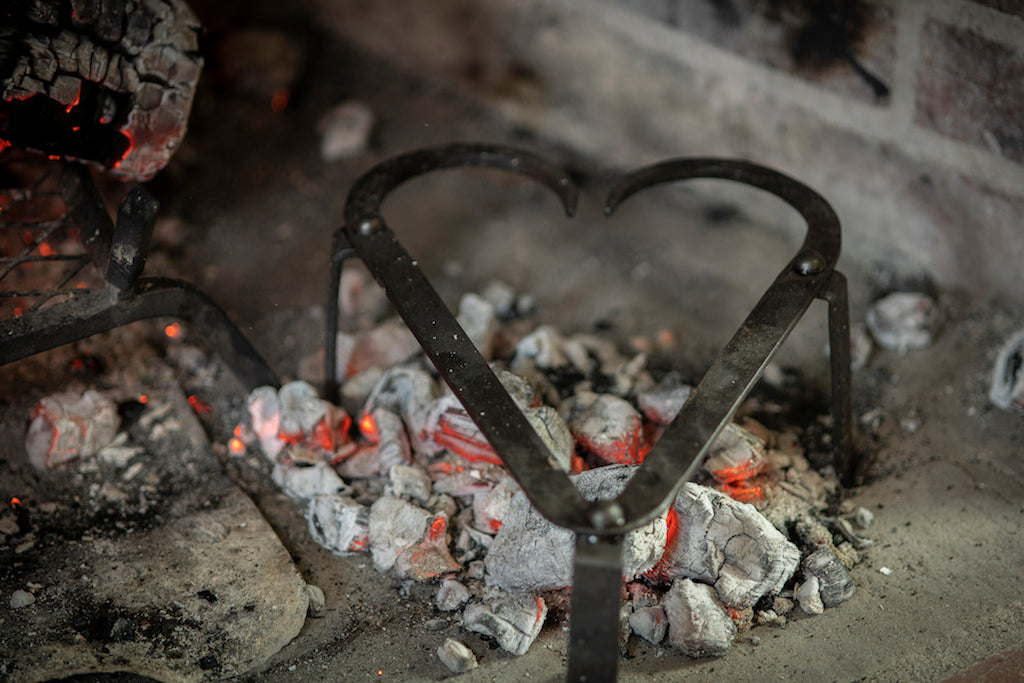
<point x="104" y="81"/>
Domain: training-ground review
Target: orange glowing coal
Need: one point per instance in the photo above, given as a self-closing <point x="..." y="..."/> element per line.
<point x="658" y="572"/>
<point x="368" y="428"/>
<point x="173" y="330"/>
<point x="735" y="481"/>
<point x="200" y="406"/>
<point x="236" y="446"/>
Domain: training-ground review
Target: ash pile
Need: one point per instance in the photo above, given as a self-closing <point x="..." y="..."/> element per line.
<point x="398" y="471"/>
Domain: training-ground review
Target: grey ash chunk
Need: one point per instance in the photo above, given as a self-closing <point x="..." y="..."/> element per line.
<point x="729" y="545"/>
<point x="529" y="553"/>
<point x="513" y="619"/>
<point x="698" y="625"/>
<point x="99" y="81"/>
<point x="1007" y="390"/>
<point x="834" y="582"/>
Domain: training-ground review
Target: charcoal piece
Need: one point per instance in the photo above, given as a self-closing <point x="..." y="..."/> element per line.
<point x="698" y="625"/>
<point x="543" y="346"/>
<point x="478" y="319"/>
<point x="661" y="405"/>
<point x="451" y="596"/>
<point x="111" y="84"/>
<point x="408" y="481"/>
<point x="729" y="545"/>
<point x="429" y="558"/>
<point x="608" y="426"/>
<point x="300" y="409"/>
<point x="808" y="594"/>
<point x="394" y="526"/>
<point x="835" y="584"/>
<point x="555" y="434"/>
<point x="1007" y="389"/>
<point x="339" y="524"/>
<point x="66" y="426"/>
<point x="456" y="656"/>
<point x="302" y="482"/>
<point x="512" y="619"/>
<point x="531" y="553"/>
<point x="650" y="623"/>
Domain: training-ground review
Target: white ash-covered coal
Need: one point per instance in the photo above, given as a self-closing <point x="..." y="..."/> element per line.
<point x="402" y="473"/>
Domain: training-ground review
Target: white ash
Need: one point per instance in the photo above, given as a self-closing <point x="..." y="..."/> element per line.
<point x="477" y="317"/>
<point x="504" y="299"/>
<point x="388" y="343"/>
<point x="861" y="346"/>
<point x="661" y="405"/>
<point x="265" y="418"/>
<point x="863" y="517"/>
<point x="490" y="508"/>
<point x="394" y="526"/>
<point x="521" y="391"/>
<point x="904" y="321"/>
<point x="736" y="452"/>
<point x="356" y="389"/>
<point x="456" y="656"/>
<point x="317" y="599"/>
<point x="67" y="426"/>
<point x="835" y="584"/>
<point x="808" y="595"/>
<point x="698" y="624"/>
<point x="531" y="553"/>
<point x="339" y="524"/>
<point x="543" y="347"/>
<point x="631" y="376"/>
<point x="514" y="620"/>
<point x="409" y="392"/>
<point x="345" y="130"/>
<point x="303" y="482"/>
<point x="388" y="432"/>
<point x="451" y="595"/>
<point x="363" y="465"/>
<point x="730" y="545"/>
<point x="428" y="558"/>
<point x="1007" y="389"/>
<point x="555" y="434"/>
<point x="607" y="425"/>
<point x="301" y="408"/>
<point x="407" y="481"/>
<point x="650" y="623"/>
<point x="21" y="598"/>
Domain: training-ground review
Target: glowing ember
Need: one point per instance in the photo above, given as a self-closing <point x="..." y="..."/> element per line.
<point x="200" y="406"/>
<point x="143" y="399"/>
<point x="236" y="446"/>
<point x="368" y="428"/>
<point x="46" y="250"/>
<point x="15" y="502"/>
<point x="173" y="330"/>
<point x="279" y="102"/>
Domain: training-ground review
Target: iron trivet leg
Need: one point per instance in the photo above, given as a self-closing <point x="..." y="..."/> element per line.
<point x="600" y="525"/>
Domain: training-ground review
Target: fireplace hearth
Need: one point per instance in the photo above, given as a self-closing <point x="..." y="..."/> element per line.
<point x="157" y="538"/>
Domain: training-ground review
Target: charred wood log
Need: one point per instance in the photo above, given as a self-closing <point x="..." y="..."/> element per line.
<point x="105" y="81"/>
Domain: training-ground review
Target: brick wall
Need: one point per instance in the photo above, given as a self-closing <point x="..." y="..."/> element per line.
<point x="908" y="115"/>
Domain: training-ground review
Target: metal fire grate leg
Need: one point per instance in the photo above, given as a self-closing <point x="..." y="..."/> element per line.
<point x="600" y="525"/>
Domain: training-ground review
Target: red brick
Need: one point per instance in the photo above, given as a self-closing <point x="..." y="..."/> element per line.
<point x="971" y="89"/>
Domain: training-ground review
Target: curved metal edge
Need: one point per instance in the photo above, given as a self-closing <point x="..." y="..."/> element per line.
<point x="823" y="231"/>
<point x="101" y="311"/>
<point x="368" y="192"/>
<point x="731" y="377"/>
<point x="445" y="342"/>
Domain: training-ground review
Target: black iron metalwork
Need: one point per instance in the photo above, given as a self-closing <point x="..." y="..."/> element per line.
<point x="600" y="525"/>
<point x="63" y="313"/>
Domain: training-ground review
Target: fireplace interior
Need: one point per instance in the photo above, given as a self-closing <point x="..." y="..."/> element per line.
<point x="174" y="555"/>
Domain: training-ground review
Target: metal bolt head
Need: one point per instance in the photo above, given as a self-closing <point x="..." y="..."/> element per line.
<point x="370" y="225"/>
<point x="809" y="262"/>
<point x="606" y="513"/>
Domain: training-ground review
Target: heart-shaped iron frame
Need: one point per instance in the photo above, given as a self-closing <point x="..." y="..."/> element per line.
<point x="601" y="525"/>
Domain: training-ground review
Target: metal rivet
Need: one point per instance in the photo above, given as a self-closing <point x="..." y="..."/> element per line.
<point x="370" y="225"/>
<point x="606" y="513"/>
<point x="809" y="263"/>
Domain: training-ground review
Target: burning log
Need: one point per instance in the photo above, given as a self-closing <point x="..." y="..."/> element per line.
<point x="64" y="427"/>
<point x="110" y="83"/>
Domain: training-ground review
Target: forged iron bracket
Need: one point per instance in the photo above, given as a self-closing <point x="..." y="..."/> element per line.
<point x="118" y="250"/>
<point x="601" y="525"/>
